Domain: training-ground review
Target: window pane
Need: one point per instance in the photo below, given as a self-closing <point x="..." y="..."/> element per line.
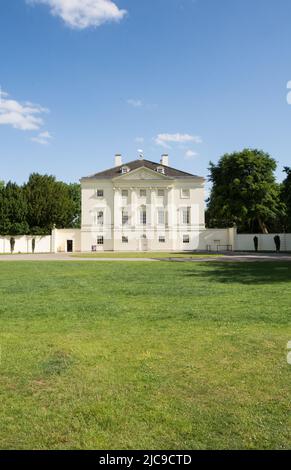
<point x="143" y="193"/>
<point x="143" y="216"/>
<point x="125" y="217"/>
<point x="161" y="217"/>
<point x="100" y="240"/>
<point x="100" y="193"/>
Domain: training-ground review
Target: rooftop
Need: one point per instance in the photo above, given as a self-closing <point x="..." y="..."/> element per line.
<point x="140" y="163"/>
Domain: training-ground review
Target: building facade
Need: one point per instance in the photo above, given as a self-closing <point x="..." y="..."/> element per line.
<point x="142" y="205"/>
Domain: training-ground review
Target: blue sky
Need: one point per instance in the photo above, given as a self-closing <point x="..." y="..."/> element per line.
<point x="193" y="78"/>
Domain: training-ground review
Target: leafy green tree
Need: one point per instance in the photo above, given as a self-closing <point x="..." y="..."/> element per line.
<point x="286" y="198"/>
<point x="49" y="204"/>
<point x="244" y="191"/>
<point x="75" y="194"/>
<point x="13" y="210"/>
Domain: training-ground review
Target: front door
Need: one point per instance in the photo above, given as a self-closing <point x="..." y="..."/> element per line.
<point x="69" y="246"/>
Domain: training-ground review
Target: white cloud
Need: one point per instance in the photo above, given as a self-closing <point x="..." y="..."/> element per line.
<point x="81" y="14"/>
<point x="289" y="94"/>
<point x="189" y="155"/>
<point x="165" y="139"/>
<point x="24" y="116"/>
<point x="135" y="103"/>
<point x="42" y="138"/>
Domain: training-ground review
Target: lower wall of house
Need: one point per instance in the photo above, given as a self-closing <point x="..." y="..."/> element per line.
<point x="86" y="241"/>
<point x="158" y="240"/>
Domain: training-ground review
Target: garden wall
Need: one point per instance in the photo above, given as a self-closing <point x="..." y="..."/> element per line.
<point x="23" y="244"/>
<point x="245" y="242"/>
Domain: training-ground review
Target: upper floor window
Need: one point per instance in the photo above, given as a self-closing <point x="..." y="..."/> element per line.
<point x="124" y="193"/>
<point x="161" y="216"/>
<point x="143" y="215"/>
<point x="100" y="218"/>
<point x="161" y="192"/>
<point x="100" y="193"/>
<point x="125" y="217"/>
<point x="185" y="193"/>
<point x="185" y="215"/>
<point x="143" y="192"/>
<point x="161" y="169"/>
<point x="124" y="170"/>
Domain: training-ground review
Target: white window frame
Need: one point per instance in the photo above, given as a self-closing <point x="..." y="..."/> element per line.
<point x="161" y="220"/>
<point x="186" y="238"/>
<point x="124" y="170"/>
<point x="183" y="195"/>
<point x="100" y="240"/>
<point x="185" y="215"/>
<point x="142" y="191"/>
<point x="162" y="239"/>
<point x="124" y="193"/>
<point x="161" y="193"/>
<point x="123" y="220"/>
<point x="161" y="170"/>
<point x="100" y="220"/>
<point x="143" y="215"/>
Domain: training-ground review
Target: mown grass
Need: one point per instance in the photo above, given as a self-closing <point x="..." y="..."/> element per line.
<point x="145" y="355"/>
<point x="145" y="254"/>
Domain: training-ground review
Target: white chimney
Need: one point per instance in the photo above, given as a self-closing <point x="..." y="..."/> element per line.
<point x="118" y="159"/>
<point x="165" y="159"/>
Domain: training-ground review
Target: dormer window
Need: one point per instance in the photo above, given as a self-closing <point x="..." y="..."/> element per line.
<point x="124" y="170"/>
<point x="161" y="170"/>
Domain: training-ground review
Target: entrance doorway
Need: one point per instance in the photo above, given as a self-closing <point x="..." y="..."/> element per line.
<point x="69" y="246"/>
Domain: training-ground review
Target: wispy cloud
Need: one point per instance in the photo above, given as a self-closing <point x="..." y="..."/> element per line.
<point x="81" y="14"/>
<point x="43" y="138"/>
<point x="289" y="93"/>
<point x="135" y="103"/>
<point x="166" y="139"/>
<point x="139" y="140"/>
<point x="190" y="154"/>
<point x="24" y="116"/>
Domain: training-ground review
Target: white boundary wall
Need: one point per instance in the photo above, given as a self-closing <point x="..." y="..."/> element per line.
<point x="23" y="244"/>
<point x="245" y="242"/>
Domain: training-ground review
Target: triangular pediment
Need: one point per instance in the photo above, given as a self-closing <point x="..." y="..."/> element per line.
<point x="143" y="173"/>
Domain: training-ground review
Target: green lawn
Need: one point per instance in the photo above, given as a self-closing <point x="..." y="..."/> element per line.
<point x="145" y="355"/>
<point x="145" y="254"/>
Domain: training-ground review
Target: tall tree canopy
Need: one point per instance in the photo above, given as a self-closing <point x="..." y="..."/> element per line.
<point x="49" y="204"/>
<point x="286" y="198"/>
<point x="13" y="210"/>
<point x="38" y="206"/>
<point x="244" y="191"/>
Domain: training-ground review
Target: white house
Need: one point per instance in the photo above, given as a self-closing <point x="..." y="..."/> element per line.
<point x="142" y="205"/>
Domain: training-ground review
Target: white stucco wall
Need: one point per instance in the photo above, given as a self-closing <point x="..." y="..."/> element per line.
<point x="245" y="242"/>
<point x="23" y="244"/>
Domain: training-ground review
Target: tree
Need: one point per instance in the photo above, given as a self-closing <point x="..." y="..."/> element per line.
<point x="12" y="244"/>
<point x="286" y="198"/>
<point x="13" y="210"/>
<point x="75" y="194"/>
<point x="49" y="204"/>
<point x="244" y="191"/>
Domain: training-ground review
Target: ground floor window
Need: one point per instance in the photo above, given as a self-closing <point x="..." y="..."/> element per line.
<point x="100" y="240"/>
<point x="186" y="239"/>
<point x="124" y="239"/>
<point x="162" y="239"/>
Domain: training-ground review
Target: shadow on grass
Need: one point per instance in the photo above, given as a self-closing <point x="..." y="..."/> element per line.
<point x="243" y="273"/>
